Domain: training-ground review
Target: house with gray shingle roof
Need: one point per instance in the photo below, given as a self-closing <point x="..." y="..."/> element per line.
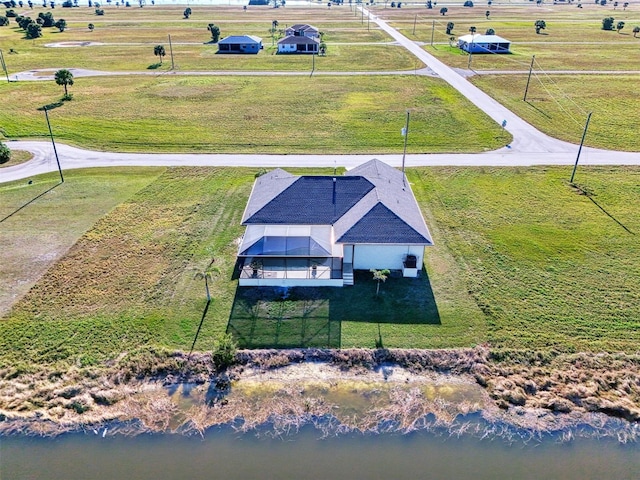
<point x="240" y="44"/>
<point x="295" y="44"/>
<point x="302" y="30"/>
<point x="313" y="230"/>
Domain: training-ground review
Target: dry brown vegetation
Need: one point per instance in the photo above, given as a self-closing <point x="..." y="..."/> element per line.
<point x="340" y="391"/>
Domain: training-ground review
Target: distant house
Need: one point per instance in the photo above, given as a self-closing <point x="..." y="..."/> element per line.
<point x="240" y="44"/>
<point x="477" y="43"/>
<point x="315" y="230"/>
<point x="301" y="44"/>
<point x="302" y="30"/>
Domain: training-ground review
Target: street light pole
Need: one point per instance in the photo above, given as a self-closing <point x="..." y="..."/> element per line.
<point x="584" y="134"/>
<point x="526" y="89"/>
<point x="171" y="51"/>
<point x="405" y="133"/>
<point x="433" y="29"/>
<point x="46" y="114"/>
<point x="4" y="66"/>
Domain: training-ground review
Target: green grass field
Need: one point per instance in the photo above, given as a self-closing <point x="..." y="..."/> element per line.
<point x="247" y="114"/>
<point x="522" y="260"/>
<point x="555" y="110"/>
<point x="254" y="114"/>
<point x="124" y="40"/>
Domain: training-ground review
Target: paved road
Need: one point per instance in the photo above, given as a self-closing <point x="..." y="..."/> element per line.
<point x="72" y="157"/>
<point x="47" y="74"/>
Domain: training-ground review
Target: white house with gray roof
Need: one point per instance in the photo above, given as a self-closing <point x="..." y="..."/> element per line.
<point x="316" y="230"/>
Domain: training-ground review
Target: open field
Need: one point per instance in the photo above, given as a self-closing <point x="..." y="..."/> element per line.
<point x="573" y="39"/>
<point x="522" y="261"/>
<point x="558" y="105"/>
<point x="241" y="114"/>
<point x="337" y="115"/>
<point x="126" y="37"/>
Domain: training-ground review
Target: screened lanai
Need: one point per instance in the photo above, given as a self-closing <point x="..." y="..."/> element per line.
<point x="290" y="252"/>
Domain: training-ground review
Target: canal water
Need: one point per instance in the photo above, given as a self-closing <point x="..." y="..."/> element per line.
<point x="223" y="454"/>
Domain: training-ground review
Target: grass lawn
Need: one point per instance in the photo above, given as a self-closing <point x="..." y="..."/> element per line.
<point x="42" y="220"/>
<point x="522" y="260"/>
<point x="17" y="157"/>
<point x="249" y="114"/>
<point x="558" y="105"/>
<point x="124" y="40"/>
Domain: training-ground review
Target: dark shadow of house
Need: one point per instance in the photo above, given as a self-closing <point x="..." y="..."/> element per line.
<point x="269" y="317"/>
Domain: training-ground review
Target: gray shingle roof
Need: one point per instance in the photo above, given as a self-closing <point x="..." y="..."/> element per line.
<point x="292" y="39"/>
<point x="240" y="39"/>
<point x="311" y="200"/>
<point x="369" y="204"/>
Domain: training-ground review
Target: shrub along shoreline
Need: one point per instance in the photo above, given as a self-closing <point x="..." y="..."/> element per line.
<point x="531" y="393"/>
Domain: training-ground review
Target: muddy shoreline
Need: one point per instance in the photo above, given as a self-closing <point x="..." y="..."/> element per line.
<point x="477" y="391"/>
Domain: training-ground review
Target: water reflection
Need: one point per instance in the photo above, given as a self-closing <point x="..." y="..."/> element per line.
<point x="226" y="455"/>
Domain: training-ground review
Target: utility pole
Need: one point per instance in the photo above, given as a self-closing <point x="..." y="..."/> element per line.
<point x="313" y="63"/>
<point x="433" y="29"/>
<point x="415" y="19"/>
<point x="584" y="134"/>
<point x="361" y="14"/>
<point x="405" y="133"/>
<point x="46" y="114"/>
<point x="526" y="89"/>
<point x="4" y="66"/>
<point x="368" y="20"/>
<point x="171" y="51"/>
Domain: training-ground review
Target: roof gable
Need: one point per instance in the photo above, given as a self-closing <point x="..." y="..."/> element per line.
<point x="381" y="225"/>
<point x="292" y="39"/>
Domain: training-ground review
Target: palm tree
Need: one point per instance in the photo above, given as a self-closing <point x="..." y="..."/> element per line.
<point x="64" y="77"/>
<point x="379" y="276"/>
<point x="159" y="51"/>
<point x="207" y="275"/>
<point x="540" y="25"/>
<point x="215" y="32"/>
<point x="472" y="30"/>
<point x="450" y="26"/>
<point x="619" y="26"/>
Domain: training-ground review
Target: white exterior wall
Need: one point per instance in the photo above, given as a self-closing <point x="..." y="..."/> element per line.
<point x="347" y="250"/>
<point x="366" y="257"/>
<point x="286" y="48"/>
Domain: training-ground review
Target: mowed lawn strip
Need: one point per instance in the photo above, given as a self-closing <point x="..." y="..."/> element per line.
<point x="551" y="268"/>
<point x="248" y="114"/>
<point x="522" y="260"/>
<point x="43" y="219"/>
<point x="558" y="105"/>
